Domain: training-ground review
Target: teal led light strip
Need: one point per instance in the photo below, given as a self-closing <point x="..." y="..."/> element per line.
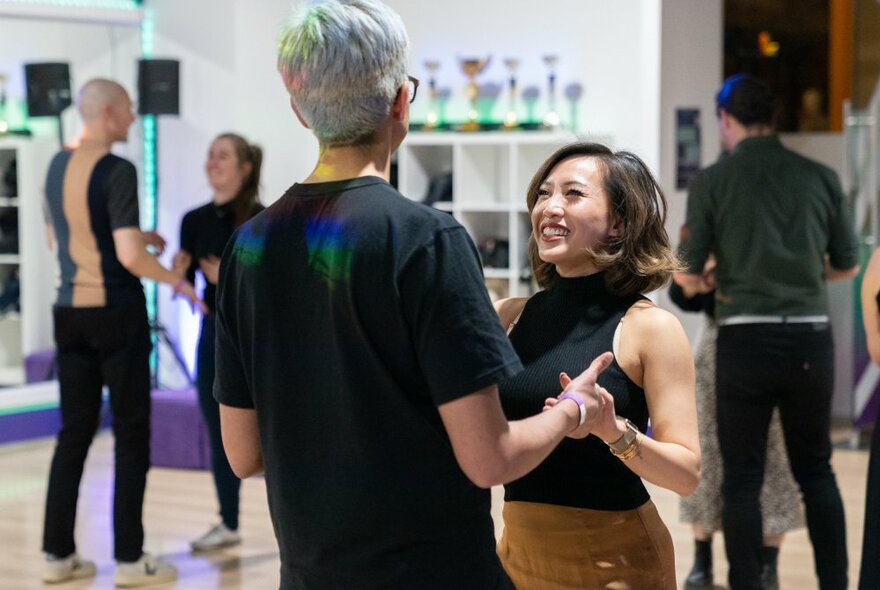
<point x="14" y="410"/>
<point x="149" y="210"/>
<point x="28" y="408"/>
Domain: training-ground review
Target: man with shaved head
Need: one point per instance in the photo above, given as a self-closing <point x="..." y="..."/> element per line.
<point x="102" y="335"/>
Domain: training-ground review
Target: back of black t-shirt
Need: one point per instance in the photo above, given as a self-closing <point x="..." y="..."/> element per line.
<point x="346" y="315"/>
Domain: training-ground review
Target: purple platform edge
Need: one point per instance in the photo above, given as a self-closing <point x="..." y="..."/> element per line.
<point x="178" y="438"/>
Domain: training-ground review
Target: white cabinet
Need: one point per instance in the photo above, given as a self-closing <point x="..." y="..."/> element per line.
<point x="490" y="174"/>
<point x="26" y="263"/>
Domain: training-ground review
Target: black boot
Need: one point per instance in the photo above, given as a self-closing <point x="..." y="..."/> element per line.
<point x="700" y="577"/>
<point x="769" y="576"/>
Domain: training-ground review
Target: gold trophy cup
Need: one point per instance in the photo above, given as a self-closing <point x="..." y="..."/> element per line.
<point x="471" y="68"/>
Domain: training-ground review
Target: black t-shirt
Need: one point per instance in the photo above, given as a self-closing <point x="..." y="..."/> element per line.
<point x="345" y="315"/>
<point x="90" y="193"/>
<point x="204" y="232"/>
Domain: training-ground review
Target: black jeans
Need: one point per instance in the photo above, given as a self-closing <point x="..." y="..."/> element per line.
<point x="759" y="367"/>
<point x="98" y="346"/>
<point x="227" y="484"/>
<point x="869" y="574"/>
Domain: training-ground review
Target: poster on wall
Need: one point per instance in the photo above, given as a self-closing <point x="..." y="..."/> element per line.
<point x="687" y="145"/>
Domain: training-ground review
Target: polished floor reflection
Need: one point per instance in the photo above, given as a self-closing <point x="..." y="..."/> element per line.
<point x="181" y="505"/>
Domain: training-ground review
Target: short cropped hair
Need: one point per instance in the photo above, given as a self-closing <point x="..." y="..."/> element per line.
<point x="343" y="62"/>
<point x="748" y="100"/>
<point x="641" y="258"/>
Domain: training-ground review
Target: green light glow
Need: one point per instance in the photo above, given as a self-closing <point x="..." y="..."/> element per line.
<point x="148" y="212"/>
<point x="147" y="32"/>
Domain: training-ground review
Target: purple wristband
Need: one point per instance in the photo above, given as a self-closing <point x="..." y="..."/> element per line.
<point x="581" y="406"/>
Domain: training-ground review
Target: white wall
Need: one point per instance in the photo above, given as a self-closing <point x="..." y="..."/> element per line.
<point x="691" y="66"/>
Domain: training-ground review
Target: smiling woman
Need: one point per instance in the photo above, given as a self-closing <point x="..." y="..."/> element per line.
<point x="597" y="244"/>
<point x="233" y="171"/>
<point x="634" y="247"/>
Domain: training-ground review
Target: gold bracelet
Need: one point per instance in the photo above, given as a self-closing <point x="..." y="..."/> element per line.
<point x="628" y="444"/>
<point x="634" y="449"/>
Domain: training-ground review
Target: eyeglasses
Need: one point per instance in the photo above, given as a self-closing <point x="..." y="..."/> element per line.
<point x="412" y="86"/>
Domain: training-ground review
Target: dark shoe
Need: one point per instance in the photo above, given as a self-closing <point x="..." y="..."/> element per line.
<point x="769" y="575"/>
<point x="700" y="577"/>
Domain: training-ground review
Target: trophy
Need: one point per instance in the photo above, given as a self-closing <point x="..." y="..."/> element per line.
<point x="511" y="119"/>
<point x="4" y="124"/>
<point x="551" y="117"/>
<point x="573" y="93"/>
<point x="487" y="96"/>
<point x="471" y="67"/>
<point x="443" y="94"/>
<point x="530" y="96"/>
<point x="432" y="119"/>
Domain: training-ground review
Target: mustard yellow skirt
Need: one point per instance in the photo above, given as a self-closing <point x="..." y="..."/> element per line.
<point x="547" y="547"/>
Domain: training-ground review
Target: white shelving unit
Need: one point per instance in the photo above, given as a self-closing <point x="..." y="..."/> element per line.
<point x="490" y="175"/>
<point x="27" y="255"/>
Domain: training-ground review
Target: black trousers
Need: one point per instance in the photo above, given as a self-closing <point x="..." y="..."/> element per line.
<point x="226" y="483"/>
<point x="98" y="346"/>
<point x="761" y="366"/>
<point x="869" y="574"/>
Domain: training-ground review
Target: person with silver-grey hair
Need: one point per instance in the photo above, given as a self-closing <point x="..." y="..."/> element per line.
<point x="357" y="349"/>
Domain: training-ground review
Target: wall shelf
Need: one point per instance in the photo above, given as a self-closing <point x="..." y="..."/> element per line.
<point x="27" y="327"/>
<point x="490" y="175"/>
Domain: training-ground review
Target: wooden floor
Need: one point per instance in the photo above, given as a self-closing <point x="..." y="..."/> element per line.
<point x="180" y="505"/>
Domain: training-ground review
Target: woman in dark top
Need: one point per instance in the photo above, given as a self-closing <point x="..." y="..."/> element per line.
<point x="233" y="170"/>
<point x="869" y="575"/>
<point x="583" y="518"/>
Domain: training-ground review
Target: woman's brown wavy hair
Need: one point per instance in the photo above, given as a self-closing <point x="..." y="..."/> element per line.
<point x="640" y="259"/>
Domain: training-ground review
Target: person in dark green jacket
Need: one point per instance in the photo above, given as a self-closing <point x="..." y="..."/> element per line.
<point x="779" y="227"/>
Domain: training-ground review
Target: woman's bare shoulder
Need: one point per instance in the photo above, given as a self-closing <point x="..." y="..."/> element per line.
<point x="508" y="309"/>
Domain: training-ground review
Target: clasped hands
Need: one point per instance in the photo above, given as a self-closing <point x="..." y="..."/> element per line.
<point x="184" y="288"/>
<point x="600" y="417"/>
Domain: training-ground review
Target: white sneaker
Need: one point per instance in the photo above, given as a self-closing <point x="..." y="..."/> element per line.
<point x="146" y="571"/>
<point x="72" y="567"/>
<point x="217" y="537"/>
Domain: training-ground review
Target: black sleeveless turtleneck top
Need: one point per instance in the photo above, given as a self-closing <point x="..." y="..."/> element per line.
<point x="204" y="232"/>
<point x="563" y="329"/>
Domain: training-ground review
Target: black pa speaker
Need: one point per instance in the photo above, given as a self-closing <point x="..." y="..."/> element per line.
<point x="48" y="88"/>
<point x="158" y="87"/>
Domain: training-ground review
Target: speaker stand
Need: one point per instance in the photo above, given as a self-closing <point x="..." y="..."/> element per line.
<point x="162" y="335"/>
